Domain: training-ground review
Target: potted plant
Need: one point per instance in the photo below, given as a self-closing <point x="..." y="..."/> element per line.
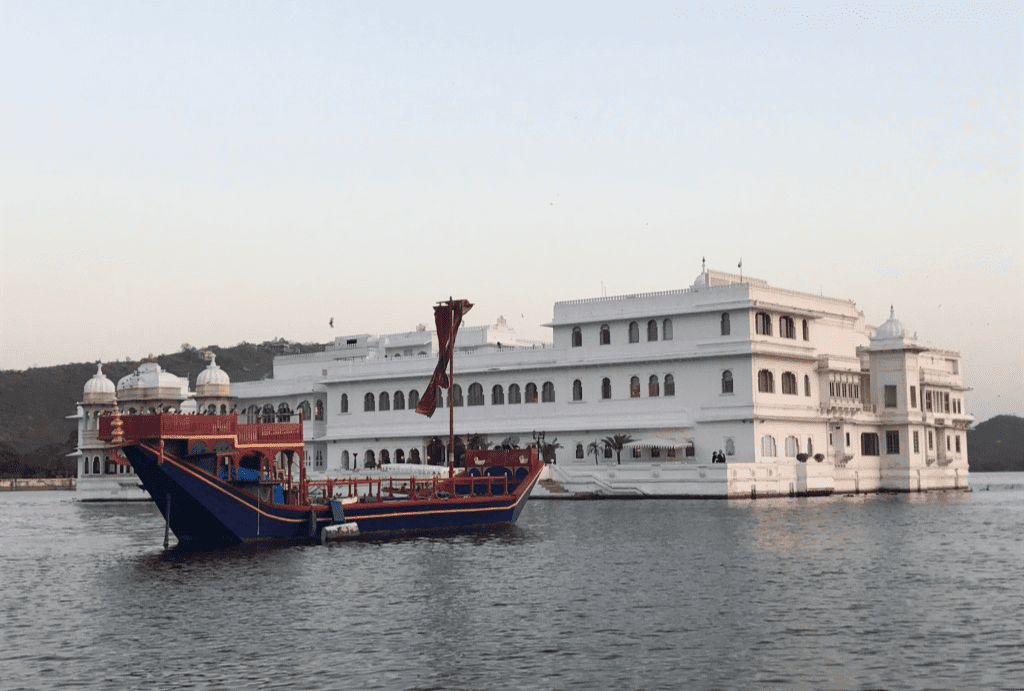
<point x="802" y="457"/>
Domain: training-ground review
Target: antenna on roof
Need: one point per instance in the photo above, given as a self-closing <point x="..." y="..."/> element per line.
<point x="741" y="269"/>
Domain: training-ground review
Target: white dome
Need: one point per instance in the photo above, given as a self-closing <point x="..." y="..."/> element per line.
<point x="213" y="374"/>
<point x="99" y="389"/>
<point x="149" y="381"/>
<point x="892" y="328"/>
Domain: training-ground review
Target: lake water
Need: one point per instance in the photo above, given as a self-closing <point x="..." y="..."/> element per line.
<point x="849" y="592"/>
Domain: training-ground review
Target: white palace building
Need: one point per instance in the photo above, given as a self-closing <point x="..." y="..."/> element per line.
<point x="793" y="391"/>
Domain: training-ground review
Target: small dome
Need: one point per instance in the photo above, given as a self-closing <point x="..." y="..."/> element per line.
<point x="149" y="381"/>
<point x="213" y="374"/>
<point x="892" y="328"/>
<point x="99" y="389"/>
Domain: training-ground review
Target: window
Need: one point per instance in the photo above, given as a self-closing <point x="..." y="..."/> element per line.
<point x="414" y="398"/>
<point x="928" y="401"/>
<point x="513" y="394"/>
<point x="727" y="381"/>
<point x="892" y="441"/>
<point x="947" y="442"/>
<point x="344" y="402"/>
<point x="789" y="383"/>
<point x="958" y="443"/>
<point x="726" y="327"/>
<point x="690" y="451"/>
<point x="384" y="402"/>
<point x="764" y="324"/>
<point x="531" y="393"/>
<point x="606" y="335"/>
<point x="497" y="395"/>
<point x="547" y="393"/>
<point x="399" y="400"/>
<point x="786" y="328"/>
<point x="913" y="396"/>
<point x="268" y="413"/>
<point x="807" y="385"/>
<point x="606" y="388"/>
<point x="652" y="386"/>
<point x="655" y="452"/>
<point x="305" y="411"/>
<point x="946" y="398"/>
<point x="666" y="330"/>
<point x="652" y="330"/>
<point x="456" y="394"/>
<point x="579" y="451"/>
<point x="577" y="337"/>
<point x="931" y="441"/>
<point x="792" y="446"/>
<point x="634" y="387"/>
<point x="318" y="410"/>
<point x="670" y="385"/>
<point x="476" y="394"/>
<point x="730" y="446"/>
<point x="890" y="395"/>
<point x="284" y="413"/>
<point x="577" y="390"/>
<point x="607" y="452"/>
<point x="252" y="414"/>
<point x="810" y="446"/>
<point x="807" y="331"/>
<point x="768" y="446"/>
<point x="636" y="452"/>
<point x="368" y="402"/>
<point x="917" y="441"/>
<point x="765" y="381"/>
<point x="634" y="332"/>
<point x="869" y="444"/>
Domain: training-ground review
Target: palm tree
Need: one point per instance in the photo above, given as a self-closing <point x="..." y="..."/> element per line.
<point x="615" y="443"/>
<point x="596" y="447"/>
<point x="547" y="450"/>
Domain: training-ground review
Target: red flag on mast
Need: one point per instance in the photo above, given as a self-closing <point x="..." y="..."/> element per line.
<point x="447" y="318"/>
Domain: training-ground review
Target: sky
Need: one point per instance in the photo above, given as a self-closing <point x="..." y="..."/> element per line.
<point x="212" y="173"/>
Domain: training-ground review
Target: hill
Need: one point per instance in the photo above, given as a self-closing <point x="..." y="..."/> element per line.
<point x="35" y="434"/>
<point x="997" y="444"/>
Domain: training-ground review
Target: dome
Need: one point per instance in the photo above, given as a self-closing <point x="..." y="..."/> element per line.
<point x="99" y="389"/>
<point x="151" y="382"/>
<point x="892" y="334"/>
<point x="213" y="381"/>
<point x="213" y="374"/>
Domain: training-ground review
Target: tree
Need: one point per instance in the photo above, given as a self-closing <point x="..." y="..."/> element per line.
<point x="615" y="443"/>
<point x="595" y="447"/>
<point x="547" y="450"/>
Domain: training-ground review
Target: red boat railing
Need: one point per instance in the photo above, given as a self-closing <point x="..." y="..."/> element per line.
<point x="136" y="427"/>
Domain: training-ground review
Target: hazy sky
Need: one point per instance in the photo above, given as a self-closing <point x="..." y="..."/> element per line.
<point x="217" y="172"/>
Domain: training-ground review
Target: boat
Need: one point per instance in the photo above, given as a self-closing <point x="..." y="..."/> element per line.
<point x="218" y="481"/>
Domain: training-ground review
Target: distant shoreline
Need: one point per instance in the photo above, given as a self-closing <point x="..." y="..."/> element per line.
<point x="37" y="483"/>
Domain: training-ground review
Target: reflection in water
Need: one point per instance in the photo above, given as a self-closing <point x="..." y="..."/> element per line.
<point x="876" y="591"/>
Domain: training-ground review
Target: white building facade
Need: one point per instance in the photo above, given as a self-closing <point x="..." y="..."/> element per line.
<point x="794" y="390"/>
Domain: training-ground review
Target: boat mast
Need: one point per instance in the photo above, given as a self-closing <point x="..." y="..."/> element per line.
<point x="451" y="392"/>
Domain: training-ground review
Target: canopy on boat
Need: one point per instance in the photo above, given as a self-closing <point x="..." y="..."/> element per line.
<point x="655" y="443"/>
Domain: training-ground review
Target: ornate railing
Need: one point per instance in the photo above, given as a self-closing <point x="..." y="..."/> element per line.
<point x="136" y="427"/>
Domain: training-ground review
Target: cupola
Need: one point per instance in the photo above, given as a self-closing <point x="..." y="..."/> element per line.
<point x="99" y="389"/>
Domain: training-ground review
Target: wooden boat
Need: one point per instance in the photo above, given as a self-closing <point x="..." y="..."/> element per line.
<point x="217" y="481"/>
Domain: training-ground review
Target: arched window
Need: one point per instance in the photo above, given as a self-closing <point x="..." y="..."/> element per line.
<point x="765" y="381"/>
<point x="212" y="410"/>
<point x="653" y="389"/>
<point x="476" y="394"/>
<point x="384" y="402"/>
<point x="666" y="330"/>
<point x="318" y="410"/>
<point x="606" y="335"/>
<point x="607" y="451"/>
<point x="690" y="451"/>
<point x="398" y="400"/>
<point x="577" y="337"/>
<point x="284" y="413"/>
<point x="789" y="383"/>
<point x="96" y="465"/>
<point x="344" y="460"/>
<point x="531" y="393"/>
<point x="344" y="402"/>
<point x="726" y="328"/>
<point x="670" y="385"/>
<point x="730" y="447"/>
<point x="652" y="330"/>
<point x="414" y="398"/>
<point x="85" y="466"/>
<point x="634" y="332"/>
<point x="810" y="446"/>
<point x="497" y="395"/>
<point x="768" y="446"/>
<point x="456" y="394"/>
<point x="786" y="328"/>
<point x="252" y="414"/>
<point x="792" y="446"/>
<point x="547" y="393"/>
<point x="634" y="387"/>
<point x="385" y="456"/>
<point x="579" y="451"/>
<point x="727" y="381"/>
<point x="369" y="403"/>
<point x="369" y="460"/>
<point x="807" y="385"/>
<point x="513" y="394"/>
<point x="606" y="388"/>
<point x="577" y="390"/>
<point x="763" y="322"/>
<point x="399" y="456"/>
<point x="807" y="331"/>
<point x="268" y="413"/>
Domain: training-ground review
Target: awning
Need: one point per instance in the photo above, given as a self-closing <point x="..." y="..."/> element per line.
<point x="655" y="443"/>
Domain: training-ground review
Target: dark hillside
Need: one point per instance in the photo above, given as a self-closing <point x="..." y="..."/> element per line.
<point x="35" y="403"/>
<point x="997" y="444"/>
